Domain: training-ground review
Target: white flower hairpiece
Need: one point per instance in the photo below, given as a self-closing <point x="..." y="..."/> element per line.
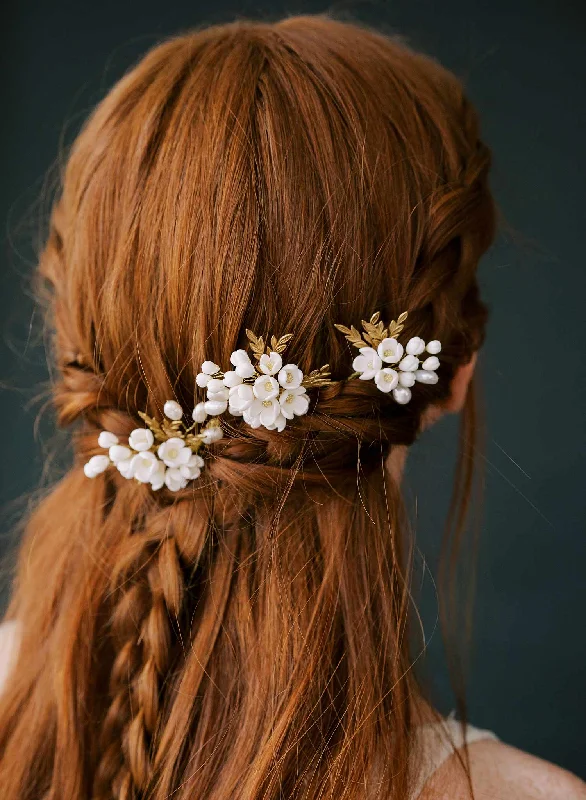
<point x="267" y="393"/>
<point x="379" y="347"/>
<point x="162" y="454"/>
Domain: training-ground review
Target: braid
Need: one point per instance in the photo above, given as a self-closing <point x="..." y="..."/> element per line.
<point x="149" y="590"/>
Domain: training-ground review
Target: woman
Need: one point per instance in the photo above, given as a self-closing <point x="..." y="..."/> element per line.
<point x="218" y="608"/>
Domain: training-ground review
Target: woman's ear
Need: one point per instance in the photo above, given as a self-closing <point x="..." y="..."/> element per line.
<point x="455" y="402"/>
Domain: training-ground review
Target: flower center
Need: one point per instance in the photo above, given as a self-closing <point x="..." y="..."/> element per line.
<point x="290" y="398"/>
<point x="267" y="403"/>
<point x="289" y="378"/>
<point x="268" y="385"/>
<point x="369" y="365"/>
<point x="388" y="377"/>
<point x="388" y="353"/>
<point x="269" y="364"/>
<point x="173" y="452"/>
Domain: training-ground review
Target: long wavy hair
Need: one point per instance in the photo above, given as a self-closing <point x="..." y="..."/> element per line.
<point x="246" y="637"/>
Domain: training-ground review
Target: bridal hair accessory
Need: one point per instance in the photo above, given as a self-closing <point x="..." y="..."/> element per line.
<point x="379" y="348"/>
<point x="265" y="393"/>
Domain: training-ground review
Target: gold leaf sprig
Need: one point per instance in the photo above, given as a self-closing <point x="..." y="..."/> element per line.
<point x="374" y="331"/>
<point x="279" y="345"/>
<point x="317" y="378"/>
<point x="257" y="344"/>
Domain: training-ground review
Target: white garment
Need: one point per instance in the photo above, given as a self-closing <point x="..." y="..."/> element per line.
<point x="435" y="742"/>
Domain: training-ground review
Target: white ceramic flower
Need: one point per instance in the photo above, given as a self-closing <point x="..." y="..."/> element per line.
<point x="278" y="424"/>
<point x="141" y="439"/>
<point x="143" y="466"/>
<point x="425" y="376"/>
<point x="415" y="346"/>
<point x="208" y="368"/>
<point x="215" y="385"/>
<point x="251" y="419"/>
<point x="215" y="407"/>
<point x="107" y="439"/>
<point x="158" y="476"/>
<point x="390" y="350"/>
<point x="174" y="452"/>
<point x="434" y="347"/>
<point x="199" y="413"/>
<point x="125" y="467"/>
<point x="265" y="387"/>
<point x="409" y="364"/>
<point x="270" y="364"/>
<point x="402" y="395"/>
<point x="192" y="469"/>
<point x="96" y="465"/>
<point x="368" y="363"/>
<point x="242" y="364"/>
<point x="231" y="379"/>
<point x="174" y="480"/>
<point x="212" y="434"/>
<point x="241" y="398"/>
<point x="290" y="376"/>
<point x="386" y="379"/>
<point x="407" y="379"/>
<point x="172" y="410"/>
<point x="294" y="402"/>
<point x="431" y="363"/>
<point x="118" y="452"/>
<point x="266" y="411"/>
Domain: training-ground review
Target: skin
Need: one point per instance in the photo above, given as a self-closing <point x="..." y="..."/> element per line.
<point x="498" y="771"/>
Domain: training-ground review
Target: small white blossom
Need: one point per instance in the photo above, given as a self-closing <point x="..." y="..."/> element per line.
<point x="232" y="379"/>
<point x="390" y="350"/>
<point x="407" y="378"/>
<point x="209" y="368"/>
<point x="212" y="434"/>
<point x="199" y="413"/>
<point x="278" y="424"/>
<point x="215" y="407"/>
<point x="242" y="364"/>
<point x="409" y="364"/>
<point x="426" y="376"/>
<point x="250" y="418"/>
<point x="107" y="439"/>
<point x="290" y="376"/>
<point x="265" y="411"/>
<point x="174" y="452"/>
<point x="223" y="395"/>
<point x="386" y="379"/>
<point x="118" y="452"/>
<point x="265" y="387"/>
<point x="95" y="466"/>
<point x="141" y="439"/>
<point x="216" y="385"/>
<point x="172" y="410"/>
<point x="294" y="402"/>
<point x="270" y="364"/>
<point x="125" y="467"/>
<point x="402" y="395"/>
<point x="174" y="480"/>
<point x="434" y="347"/>
<point x="158" y="476"/>
<point x="241" y="398"/>
<point x="143" y="466"/>
<point x="192" y="469"/>
<point x="415" y="346"/>
<point x="430" y="363"/>
<point x="368" y="363"/>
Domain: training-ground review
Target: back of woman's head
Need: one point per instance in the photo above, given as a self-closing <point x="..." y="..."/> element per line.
<point x="244" y="637"/>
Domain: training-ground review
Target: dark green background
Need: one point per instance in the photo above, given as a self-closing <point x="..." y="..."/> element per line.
<point x="523" y="63"/>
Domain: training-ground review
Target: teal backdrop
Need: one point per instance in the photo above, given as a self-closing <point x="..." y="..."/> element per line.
<point x="523" y="64"/>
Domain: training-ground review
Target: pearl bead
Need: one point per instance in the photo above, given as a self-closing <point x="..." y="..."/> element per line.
<point x="172" y="410"/>
<point x="409" y="364"/>
<point x="426" y="376"/>
<point x="434" y="347"/>
<point x="107" y="439"/>
<point x="407" y="378"/>
<point x="415" y="346"/>
<point x="402" y="395"/>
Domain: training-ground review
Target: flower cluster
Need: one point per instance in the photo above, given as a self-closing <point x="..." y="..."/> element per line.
<point x="267" y="393"/>
<point x="379" y="349"/>
<point x="160" y="454"/>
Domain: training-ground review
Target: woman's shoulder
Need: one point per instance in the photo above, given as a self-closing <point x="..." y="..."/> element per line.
<point x="502" y="772"/>
<point x="9" y="640"/>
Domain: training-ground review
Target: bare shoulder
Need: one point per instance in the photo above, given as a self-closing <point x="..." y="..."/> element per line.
<point x="501" y="772"/>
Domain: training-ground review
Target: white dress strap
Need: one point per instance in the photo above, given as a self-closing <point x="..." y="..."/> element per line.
<point x="437" y="741"/>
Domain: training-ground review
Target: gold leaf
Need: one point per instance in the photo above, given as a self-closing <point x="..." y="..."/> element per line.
<point x="402" y="317"/>
<point x="342" y="328"/>
<point x="274" y="342"/>
<point x="283" y="342"/>
<point x="375" y="317"/>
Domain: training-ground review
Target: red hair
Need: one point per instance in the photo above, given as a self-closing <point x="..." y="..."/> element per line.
<point x="245" y="637"/>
